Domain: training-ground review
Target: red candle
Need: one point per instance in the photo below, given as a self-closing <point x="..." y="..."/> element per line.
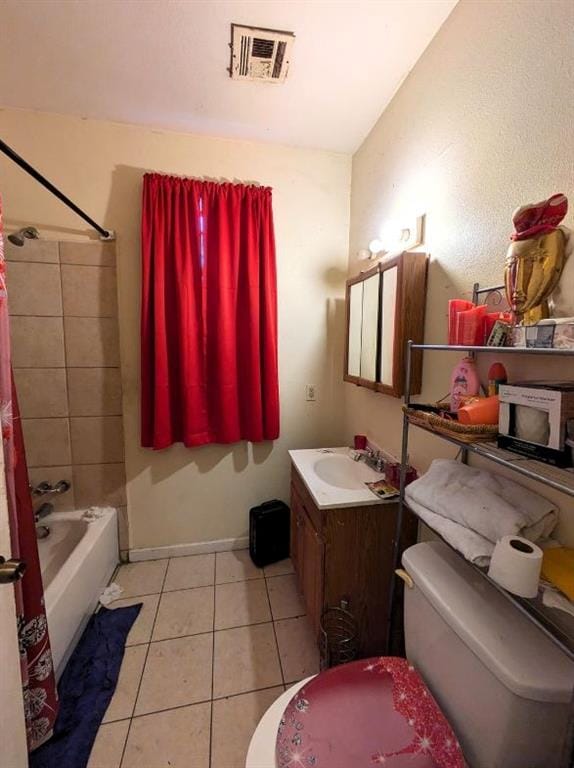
<point x="454" y="307"/>
<point x="470" y="326"/>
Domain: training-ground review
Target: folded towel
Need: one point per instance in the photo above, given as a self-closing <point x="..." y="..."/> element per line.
<point x="470" y="544"/>
<point x="490" y="505"/>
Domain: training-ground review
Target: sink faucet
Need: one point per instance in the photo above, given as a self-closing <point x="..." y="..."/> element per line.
<point x="374" y="459"/>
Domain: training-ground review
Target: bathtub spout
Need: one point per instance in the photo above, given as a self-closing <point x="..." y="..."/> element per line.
<point x="42" y="531"/>
<point x="43" y="510"/>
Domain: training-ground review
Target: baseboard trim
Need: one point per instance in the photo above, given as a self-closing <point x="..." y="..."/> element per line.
<point x="181" y="550"/>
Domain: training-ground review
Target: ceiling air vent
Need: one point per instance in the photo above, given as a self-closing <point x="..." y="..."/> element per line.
<point x="259" y="54"/>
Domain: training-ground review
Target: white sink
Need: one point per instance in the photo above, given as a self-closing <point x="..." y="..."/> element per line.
<point x="334" y="479"/>
<point x="343" y="472"/>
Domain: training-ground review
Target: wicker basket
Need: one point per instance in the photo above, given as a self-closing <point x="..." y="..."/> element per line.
<point x="466" y="433"/>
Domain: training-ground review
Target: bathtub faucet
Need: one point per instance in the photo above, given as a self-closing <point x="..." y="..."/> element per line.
<point x="43" y="510"/>
<point x="44" y="488"/>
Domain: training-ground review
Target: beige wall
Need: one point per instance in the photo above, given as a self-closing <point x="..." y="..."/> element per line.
<point x="483" y="123"/>
<point x="187" y="495"/>
<point x="62" y="300"/>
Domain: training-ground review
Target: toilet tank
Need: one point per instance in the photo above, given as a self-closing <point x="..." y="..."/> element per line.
<point x="504" y="686"/>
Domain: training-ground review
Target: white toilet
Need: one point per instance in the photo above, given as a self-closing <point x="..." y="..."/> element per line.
<point x="504" y="687"/>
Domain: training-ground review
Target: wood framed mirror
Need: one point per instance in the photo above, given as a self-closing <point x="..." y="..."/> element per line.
<point x="385" y="308"/>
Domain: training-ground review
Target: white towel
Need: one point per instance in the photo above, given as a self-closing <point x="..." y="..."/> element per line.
<point x="489" y="504"/>
<point x="472" y="545"/>
<point x="112" y="592"/>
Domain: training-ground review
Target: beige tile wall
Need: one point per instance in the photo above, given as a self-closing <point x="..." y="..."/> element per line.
<point x="63" y="314"/>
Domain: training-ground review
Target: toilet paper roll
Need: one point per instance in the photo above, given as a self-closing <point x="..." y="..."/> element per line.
<point x="515" y="565"/>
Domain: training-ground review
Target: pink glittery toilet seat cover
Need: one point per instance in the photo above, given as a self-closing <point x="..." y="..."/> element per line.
<point x="364" y="714"/>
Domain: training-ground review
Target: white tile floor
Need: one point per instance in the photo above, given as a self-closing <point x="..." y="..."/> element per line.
<point x="214" y="645"/>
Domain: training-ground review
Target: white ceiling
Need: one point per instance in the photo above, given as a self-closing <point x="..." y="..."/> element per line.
<point x="163" y="63"/>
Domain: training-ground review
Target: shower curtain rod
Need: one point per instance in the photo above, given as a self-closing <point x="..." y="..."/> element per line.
<point x="105" y="234"/>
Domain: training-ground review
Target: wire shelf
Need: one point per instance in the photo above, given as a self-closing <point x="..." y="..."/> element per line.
<point x="554" y="477"/>
<point x="549" y="351"/>
<point x="557" y="625"/>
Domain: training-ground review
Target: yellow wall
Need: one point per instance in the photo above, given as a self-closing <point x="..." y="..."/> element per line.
<point x="483" y="123"/>
<point x="181" y="495"/>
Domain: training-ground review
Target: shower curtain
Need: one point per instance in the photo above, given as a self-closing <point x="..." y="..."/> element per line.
<point x="38" y="681"/>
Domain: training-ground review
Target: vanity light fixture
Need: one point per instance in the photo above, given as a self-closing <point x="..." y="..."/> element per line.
<point x="394" y="239"/>
<point x="375" y="247"/>
<point x="374" y="250"/>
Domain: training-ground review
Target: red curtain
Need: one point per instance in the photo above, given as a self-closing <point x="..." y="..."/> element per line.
<point x="209" y="313"/>
<point x="39" y="684"/>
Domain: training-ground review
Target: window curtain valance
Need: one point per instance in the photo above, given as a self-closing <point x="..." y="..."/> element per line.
<point x="209" y="313"/>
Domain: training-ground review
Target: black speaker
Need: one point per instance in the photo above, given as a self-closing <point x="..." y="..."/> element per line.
<point x="269" y="532"/>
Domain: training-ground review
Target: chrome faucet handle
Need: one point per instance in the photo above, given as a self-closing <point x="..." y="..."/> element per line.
<point x="41" y="488"/>
<point x="44" y="488"/>
<point x="380" y="463"/>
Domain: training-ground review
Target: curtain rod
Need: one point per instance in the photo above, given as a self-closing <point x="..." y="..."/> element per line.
<point x="214" y="179"/>
<point x="9" y="152"/>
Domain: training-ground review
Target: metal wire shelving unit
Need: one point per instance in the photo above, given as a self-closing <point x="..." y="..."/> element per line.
<point x="559" y="628"/>
<point x="557" y="625"/>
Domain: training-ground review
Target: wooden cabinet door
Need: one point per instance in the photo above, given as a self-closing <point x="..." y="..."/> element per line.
<point x="294" y="537"/>
<point x="313" y="555"/>
<point x="298" y="538"/>
<point x="308" y="552"/>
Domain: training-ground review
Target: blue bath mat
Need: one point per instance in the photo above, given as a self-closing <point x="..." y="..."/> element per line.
<point x="86" y="688"/>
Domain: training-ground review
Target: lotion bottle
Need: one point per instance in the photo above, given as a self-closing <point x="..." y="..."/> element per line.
<point x="464" y="382"/>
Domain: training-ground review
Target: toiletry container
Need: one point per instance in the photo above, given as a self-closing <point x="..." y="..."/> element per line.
<point x="464" y="382"/>
<point x="496" y="376"/>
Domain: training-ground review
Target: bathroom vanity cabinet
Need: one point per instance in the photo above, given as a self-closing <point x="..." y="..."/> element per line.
<point x="346" y="554"/>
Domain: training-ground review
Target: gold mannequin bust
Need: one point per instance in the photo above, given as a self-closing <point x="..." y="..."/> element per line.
<point x="535" y="258"/>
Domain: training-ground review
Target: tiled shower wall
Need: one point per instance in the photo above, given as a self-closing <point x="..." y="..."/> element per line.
<point x="62" y="300"/>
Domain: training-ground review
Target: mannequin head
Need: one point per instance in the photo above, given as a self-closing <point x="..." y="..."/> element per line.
<point x="533" y="269"/>
<point x="535" y="259"/>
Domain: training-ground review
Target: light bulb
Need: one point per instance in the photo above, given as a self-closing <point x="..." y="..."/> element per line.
<point x="375" y="246"/>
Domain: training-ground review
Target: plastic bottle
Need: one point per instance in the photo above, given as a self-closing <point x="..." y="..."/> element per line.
<point x="464" y="382"/>
<point x="496" y="376"/>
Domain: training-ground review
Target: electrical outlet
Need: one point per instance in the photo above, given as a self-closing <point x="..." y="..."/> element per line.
<point x="310" y="392"/>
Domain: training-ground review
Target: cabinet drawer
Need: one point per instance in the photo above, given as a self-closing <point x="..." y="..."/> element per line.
<point x="306" y="500"/>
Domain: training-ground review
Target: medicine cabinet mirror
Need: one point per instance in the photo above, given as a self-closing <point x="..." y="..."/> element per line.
<point x="385" y="308"/>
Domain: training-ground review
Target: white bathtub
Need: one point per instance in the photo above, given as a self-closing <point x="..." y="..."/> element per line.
<point x="77" y="560"/>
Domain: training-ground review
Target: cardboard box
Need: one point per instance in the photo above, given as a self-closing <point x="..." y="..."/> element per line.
<point x="539" y="452"/>
<point x="555" y="333"/>
<point x="536" y="413"/>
